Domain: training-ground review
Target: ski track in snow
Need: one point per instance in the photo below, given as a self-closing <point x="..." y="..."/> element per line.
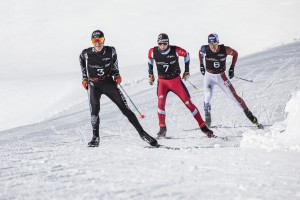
<point x="50" y="160"/>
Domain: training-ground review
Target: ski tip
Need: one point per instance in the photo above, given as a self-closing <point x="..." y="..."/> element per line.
<point x="152" y="147"/>
<point x="259" y="126"/>
<point x="92" y="146"/>
<point x="162" y="137"/>
<point x="220" y="137"/>
<point x="163" y="147"/>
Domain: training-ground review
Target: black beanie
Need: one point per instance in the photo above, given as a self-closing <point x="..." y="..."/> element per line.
<point x="163" y="38"/>
<point x="97" y="34"/>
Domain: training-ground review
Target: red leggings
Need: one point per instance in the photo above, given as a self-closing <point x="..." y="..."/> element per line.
<point x="175" y="85"/>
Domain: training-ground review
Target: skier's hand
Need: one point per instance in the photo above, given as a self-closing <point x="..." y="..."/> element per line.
<point x="85" y="83"/>
<point x="185" y="75"/>
<point x="202" y="69"/>
<point x="231" y="72"/>
<point x="151" y="79"/>
<point x="117" y="78"/>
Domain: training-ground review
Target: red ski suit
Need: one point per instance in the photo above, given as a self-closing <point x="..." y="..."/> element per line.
<point x="169" y="80"/>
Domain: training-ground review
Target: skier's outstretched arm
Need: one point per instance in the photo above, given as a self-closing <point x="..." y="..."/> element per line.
<point x="150" y="66"/>
<point x="232" y="52"/>
<point x="186" y="56"/>
<point x="82" y="61"/>
<point x="115" y="67"/>
<point x="201" y="55"/>
<point x="150" y="61"/>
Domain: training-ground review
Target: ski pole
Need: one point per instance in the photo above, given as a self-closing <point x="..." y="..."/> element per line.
<point x="251" y="81"/>
<point x="142" y="116"/>
<point x="197" y="88"/>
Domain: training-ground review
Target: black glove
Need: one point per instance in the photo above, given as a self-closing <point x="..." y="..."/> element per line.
<point x="185" y="75"/>
<point x="231" y="72"/>
<point x="202" y="69"/>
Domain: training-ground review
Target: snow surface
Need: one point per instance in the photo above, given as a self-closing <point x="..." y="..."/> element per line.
<point x="50" y="159"/>
<point x="282" y="135"/>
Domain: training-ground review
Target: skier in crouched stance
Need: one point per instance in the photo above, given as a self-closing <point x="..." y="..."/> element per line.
<point x="214" y="74"/>
<point x="166" y="59"/>
<point x="100" y="75"/>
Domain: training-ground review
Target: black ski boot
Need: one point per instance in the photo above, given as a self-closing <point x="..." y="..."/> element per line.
<point x="252" y="118"/>
<point x="207" y="119"/>
<point x="209" y="133"/>
<point x="162" y="132"/>
<point x="94" y="142"/>
<point x="146" y="137"/>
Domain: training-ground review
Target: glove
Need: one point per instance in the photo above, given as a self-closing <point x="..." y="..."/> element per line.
<point x="185" y="75"/>
<point x="117" y="78"/>
<point x="202" y="69"/>
<point x="151" y="79"/>
<point x="231" y="72"/>
<point x="85" y="83"/>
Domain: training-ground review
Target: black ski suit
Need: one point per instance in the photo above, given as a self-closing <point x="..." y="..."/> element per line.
<point x="99" y="68"/>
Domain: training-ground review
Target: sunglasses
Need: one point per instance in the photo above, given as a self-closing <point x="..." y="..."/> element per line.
<point x="165" y="44"/>
<point x="99" y="40"/>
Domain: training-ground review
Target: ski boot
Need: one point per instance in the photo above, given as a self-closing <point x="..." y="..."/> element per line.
<point x="162" y="132"/>
<point x="207" y="109"/>
<point x="94" y="142"/>
<point x="146" y="137"/>
<point x="207" y="119"/>
<point x="209" y="133"/>
<point x="252" y="118"/>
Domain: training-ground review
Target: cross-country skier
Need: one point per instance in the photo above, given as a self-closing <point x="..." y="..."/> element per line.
<point x="214" y="74"/>
<point x="166" y="59"/>
<point x="100" y="75"/>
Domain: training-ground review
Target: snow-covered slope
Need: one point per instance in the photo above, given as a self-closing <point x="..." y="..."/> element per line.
<point x="40" y="82"/>
<point x="50" y="160"/>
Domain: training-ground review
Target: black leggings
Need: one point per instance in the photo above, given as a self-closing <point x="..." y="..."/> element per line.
<point x="109" y="88"/>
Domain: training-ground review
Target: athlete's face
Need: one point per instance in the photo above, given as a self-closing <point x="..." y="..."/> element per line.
<point x="98" y="42"/>
<point x="214" y="47"/>
<point x="163" y="46"/>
